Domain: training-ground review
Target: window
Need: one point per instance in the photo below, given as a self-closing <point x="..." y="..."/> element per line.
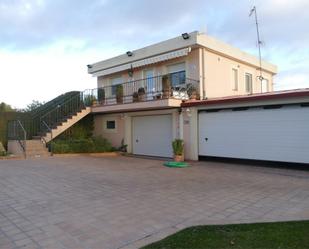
<point x="177" y="73"/>
<point x="265" y="85"/>
<point x="115" y="82"/>
<point x="248" y="82"/>
<point x="178" y="78"/>
<point x="234" y="79"/>
<point x="110" y="124"/>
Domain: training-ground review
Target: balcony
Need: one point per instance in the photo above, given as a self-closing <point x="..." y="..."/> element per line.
<point x="162" y="91"/>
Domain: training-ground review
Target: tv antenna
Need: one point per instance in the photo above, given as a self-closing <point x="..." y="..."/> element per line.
<point x="253" y="10"/>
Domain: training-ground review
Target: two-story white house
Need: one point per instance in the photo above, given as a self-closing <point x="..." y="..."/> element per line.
<point x="140" y="93"/>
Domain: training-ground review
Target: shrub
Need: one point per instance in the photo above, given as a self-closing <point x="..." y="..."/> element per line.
<point x="82" y="145"/>
<point x="61" y="147"/>
<point x="102" y="144"/>
<point x="178" y="147"/>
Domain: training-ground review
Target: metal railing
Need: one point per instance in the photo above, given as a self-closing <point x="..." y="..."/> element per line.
<point x="61" y="112"/>
<point x="16" y="131"/>
<point x="49" y="129"/>
<point x="174" y="85"/>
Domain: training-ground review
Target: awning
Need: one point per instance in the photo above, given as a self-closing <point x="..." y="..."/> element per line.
<point x="145" y="62"/>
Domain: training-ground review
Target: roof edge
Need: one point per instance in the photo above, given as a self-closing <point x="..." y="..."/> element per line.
<point x="295" y="93"/>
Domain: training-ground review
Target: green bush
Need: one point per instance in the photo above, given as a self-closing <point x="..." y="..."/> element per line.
<point x="102" y="144"/>
<point x="178" y="147"/>
<point x="82" y="129"/>
<point x="82" y="145"/>
<point x="3" y="153"/>
<point x="61" y="147"/>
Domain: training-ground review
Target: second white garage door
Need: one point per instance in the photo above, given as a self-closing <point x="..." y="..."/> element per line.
<point x="152" y="135"/>
<point x="263" y="134"/>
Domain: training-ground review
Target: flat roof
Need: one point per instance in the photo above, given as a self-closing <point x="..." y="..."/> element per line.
<point x="275" y="95"/>
<point x="196" y="39"/>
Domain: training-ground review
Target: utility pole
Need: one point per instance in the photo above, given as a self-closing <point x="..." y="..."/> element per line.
<point x="253" y="10"/>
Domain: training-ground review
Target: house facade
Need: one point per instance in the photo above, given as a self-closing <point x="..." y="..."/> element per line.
<point x="140" y="94"/>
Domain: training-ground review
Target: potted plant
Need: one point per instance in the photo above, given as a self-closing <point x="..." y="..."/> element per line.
<point x="101" y="95"/>
<point x="141" y="93"/>
<point x="119" y="94"/>
<point x="135" y="97"/>
<point x="192" y="91"/>
<point x="166" y="87"/>
<point x="178" y="149"/>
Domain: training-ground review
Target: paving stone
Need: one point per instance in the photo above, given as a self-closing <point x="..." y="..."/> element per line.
<point x="124" y="202"/>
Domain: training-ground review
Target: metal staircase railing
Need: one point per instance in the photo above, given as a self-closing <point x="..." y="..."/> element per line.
<point x="16" y="131"/>
<point x="61" y="113"/>
<point x="47" y="117"/>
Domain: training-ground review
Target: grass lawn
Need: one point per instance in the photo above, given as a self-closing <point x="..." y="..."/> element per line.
<point x="279" y="235"/>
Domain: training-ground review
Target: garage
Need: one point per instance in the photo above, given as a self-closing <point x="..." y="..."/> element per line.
<point x="271" y="133"/>
<point x="152" y="135"/>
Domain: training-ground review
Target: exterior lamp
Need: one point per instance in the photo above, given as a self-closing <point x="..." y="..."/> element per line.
<point x="188" y="111"/>
<point x="185" y="36"/>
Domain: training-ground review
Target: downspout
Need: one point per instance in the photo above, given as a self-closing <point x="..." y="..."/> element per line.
<point x="201" y="72"/>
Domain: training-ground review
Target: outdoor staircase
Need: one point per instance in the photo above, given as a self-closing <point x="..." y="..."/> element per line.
<point x="30" y="137"/>
<point x="35" y="148"/>
<point x="57" y="129"/>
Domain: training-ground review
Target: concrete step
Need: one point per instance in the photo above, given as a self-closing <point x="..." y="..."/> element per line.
<point x="35" y="148"/>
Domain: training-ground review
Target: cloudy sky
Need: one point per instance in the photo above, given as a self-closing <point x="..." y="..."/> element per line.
<point x="45" y="45"/>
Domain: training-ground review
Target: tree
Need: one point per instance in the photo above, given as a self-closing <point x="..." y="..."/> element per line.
<point x="33" y="105"/>
<point x="5" y="107"/>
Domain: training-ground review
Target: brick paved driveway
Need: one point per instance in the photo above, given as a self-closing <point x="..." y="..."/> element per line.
<point x="121" y="202"/>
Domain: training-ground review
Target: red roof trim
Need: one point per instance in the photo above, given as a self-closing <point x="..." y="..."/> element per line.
<point x="253" y="97"/>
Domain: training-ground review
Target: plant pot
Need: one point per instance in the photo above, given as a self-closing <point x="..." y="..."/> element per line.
<point x="179" y="158"/>
<point x="135" y="97"/>
<point x="158" y="96"/>
<point x="193" y="95"/>
<point x="141" y="97"/>
<point x="166" y="93"/>
<point x="119" y="99"/>
<point x="166" y="87"/>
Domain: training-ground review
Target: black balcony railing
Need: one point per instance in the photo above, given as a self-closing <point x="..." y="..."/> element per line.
<point x="174" y="85"/>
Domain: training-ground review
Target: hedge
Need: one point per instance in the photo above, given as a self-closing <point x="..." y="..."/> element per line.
<point x="83" y="145"/>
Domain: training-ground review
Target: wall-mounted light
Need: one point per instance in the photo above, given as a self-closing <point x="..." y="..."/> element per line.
<point x="185" y="36"/>
<point x="129" y="53"/>
<point x="188" y="111"/>
<point x="89" y="66"/>
<point x="130" y="71"/>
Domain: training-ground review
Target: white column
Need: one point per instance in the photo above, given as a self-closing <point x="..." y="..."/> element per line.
<point x="181" y="125"/>
<point x="193" y="134"/>
<point x="128" y="132"/>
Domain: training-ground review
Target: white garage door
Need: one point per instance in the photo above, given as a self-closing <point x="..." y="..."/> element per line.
<point x="262" y="134"/>
<point x="152" y="135"/>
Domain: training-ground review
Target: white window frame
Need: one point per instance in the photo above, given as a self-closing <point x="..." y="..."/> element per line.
<point x="234" y="84"/>
<point x="267" y="85"/>
<point x="111" y="84"/>
<point x="251" y="87"/>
